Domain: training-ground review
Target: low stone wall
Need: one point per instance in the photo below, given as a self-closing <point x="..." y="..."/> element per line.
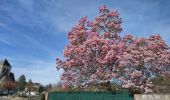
<point x="152" y="97"/>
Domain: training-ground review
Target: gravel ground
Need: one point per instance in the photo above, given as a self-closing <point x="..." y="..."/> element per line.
<point x="11" y="98"/>
<point x="19" y="98"/>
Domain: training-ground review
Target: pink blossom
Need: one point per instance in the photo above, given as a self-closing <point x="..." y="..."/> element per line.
<point x="97" y="53"/>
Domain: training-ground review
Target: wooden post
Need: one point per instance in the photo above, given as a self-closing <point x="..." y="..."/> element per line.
<point x="46" y="96"/>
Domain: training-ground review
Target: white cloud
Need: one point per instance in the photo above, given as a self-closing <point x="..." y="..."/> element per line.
<point x="40" y="71"/>
<point x="5" y="41"/>
<point x="58" y="16"/>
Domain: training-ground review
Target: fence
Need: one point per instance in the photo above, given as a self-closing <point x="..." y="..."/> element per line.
<point x="90" y="96"/>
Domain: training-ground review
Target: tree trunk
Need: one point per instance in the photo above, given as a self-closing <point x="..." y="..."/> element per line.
<point x="29" y="92"/>
<point x="8" y="91"/>
<point x="109" y="87"/>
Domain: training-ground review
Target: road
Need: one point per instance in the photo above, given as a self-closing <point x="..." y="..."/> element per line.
<point x="19" y="98"/>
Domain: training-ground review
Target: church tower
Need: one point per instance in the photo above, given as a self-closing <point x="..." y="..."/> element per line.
<point x="5" y="71"/>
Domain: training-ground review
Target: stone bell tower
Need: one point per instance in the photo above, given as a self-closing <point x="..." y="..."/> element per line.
<point x="5" y="71"/>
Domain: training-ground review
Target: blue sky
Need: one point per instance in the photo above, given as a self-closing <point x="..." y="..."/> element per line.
<point x="34" y="32"/>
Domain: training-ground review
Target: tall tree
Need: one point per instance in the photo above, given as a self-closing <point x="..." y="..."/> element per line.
<point x="96" y="54"/>
<point x="21" y="83"/>
<point x="29" y="85"/>
<point x="91" y="54"/>
<point x="41" y="89"/>
<point x="142" y="61"/>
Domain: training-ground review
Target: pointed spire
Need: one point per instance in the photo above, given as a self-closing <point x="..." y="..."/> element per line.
<point x="5" y="62"/>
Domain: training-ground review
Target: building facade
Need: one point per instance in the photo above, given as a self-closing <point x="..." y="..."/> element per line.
<point x="7" y="78"/>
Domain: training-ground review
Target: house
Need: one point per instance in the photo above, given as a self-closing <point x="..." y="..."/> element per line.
<point x="33" y="89"/>
<point x="36" y="86"/>
<point x="7" y="78"/>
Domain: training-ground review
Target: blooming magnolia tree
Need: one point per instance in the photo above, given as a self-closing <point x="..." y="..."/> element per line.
<point x="96" y="54"/>
<point x="143" y="60"/>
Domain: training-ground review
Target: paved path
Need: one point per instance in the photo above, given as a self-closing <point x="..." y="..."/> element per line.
<point x="10" y="98"/>
<point x="19" y="98"/>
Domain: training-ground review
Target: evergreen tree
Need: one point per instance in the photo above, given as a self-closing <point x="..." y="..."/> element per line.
<point x="21" y="83"/>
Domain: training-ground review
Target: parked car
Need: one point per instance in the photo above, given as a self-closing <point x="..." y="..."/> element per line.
<point x="22" y="93"/>
<point x="11" y="92"/>
<point x="5" y="92"/>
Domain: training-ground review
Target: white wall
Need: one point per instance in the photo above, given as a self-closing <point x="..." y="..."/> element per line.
<point x="152" y="97"/>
